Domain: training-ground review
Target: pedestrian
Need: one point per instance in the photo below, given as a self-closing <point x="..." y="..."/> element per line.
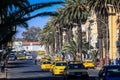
<point x="116" y="60"/>
<point x="3" y="67"/>
<point x="103" y="61"/>
<point x="119" y="61"/>
<point x="35" y="61"/>
<point x="112" y="61"/>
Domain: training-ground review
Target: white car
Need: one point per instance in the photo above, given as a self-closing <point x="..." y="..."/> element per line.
<point x="29" y="56"/>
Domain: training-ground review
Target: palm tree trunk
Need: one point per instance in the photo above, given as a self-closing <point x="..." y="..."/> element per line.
<point x="79" y="39"/>
<point x="70" y="33"/>
<point x="100" y="38"/>
<point x="56" y="41"/>
<point x="60" y="39"/>
<point x="105" y="37"/>
<point x="47" y="48"/>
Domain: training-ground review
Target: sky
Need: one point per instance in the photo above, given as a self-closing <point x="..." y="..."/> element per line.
<point x="38" y="21"/>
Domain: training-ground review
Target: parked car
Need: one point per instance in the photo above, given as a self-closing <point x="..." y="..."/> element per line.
<point x="59" y="67"/>
<point x="110" y="72"/>
<point x="29" y="56"/>
<point x="76" y="70"/>
<point x="21" y="56"/>
<point x="88" y="64"/>
<point x="11" y="57"/>
<point x="52" y="65"/>
<point x="45" y="65"/>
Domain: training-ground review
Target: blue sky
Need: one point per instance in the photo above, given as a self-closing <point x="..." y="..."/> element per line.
<point x="38" y="21"/>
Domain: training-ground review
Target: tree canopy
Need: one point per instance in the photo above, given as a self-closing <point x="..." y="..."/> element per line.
<point x="31" y="34"/>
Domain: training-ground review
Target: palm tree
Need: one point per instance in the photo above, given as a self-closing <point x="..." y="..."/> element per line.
<point x="47" y="37"/>
<point x="101" y="8"/>
<point x="71" y="47"/>
<point x="58" y="27"/>
<point x="76" y="12"/>
<point x="94" y="55"/>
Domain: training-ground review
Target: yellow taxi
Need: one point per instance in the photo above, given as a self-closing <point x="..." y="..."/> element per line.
<point x="21" y="57"/>
<point x="56" y="59"/>
<point x="45" y="65"/>
<point x="43" y="59"/>
<point x="52" y="65"/>
<point x="59" y="67"/>
<point x="88" y="64"/>
<point x="48" y="58"/>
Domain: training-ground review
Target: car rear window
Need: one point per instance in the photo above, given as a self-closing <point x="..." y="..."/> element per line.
<point x="113" y="73"/>
<point x="46" y="62"/>
<point x="75" y="66"/>
<point x="61" y="64"/>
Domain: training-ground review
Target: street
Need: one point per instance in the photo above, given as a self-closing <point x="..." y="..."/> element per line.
<point x="27" y="70"/>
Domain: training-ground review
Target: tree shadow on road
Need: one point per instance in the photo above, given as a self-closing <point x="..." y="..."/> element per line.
<point x="16" y="63"/>
<point x="34" y="71"/>
<point x="17" y="66"/>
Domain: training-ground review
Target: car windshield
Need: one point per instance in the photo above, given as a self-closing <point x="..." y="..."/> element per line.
<point x="75" y="66"/>
<point x="46" y="62"/>
<point x="61" y="64"/>
<point x="28" y="55"/>
<point x="113" y="72"/>
<point x="11" y="55"/>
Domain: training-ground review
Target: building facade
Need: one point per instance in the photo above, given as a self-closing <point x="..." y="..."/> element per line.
<point x="28" y="46"/>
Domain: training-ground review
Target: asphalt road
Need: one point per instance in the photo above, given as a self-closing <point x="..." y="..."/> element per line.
<point x="27" y="70"/>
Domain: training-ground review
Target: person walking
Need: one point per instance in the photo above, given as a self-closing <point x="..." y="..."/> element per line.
<point x="3" y="67"/>
<point x="35" y="61"/>
<point x="116" y="61"/>
<point x="119" y="61"/>
<point x="109" y="60"/>
<point x="112" y="62"/>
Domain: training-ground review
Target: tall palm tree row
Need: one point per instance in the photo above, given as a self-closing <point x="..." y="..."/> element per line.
<point x="77" y="13"/>
<point x="48" y="37"/>
<point x="74" y="11"/>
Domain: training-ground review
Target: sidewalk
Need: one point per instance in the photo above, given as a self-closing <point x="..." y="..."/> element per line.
<point x="2" y="76"/>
